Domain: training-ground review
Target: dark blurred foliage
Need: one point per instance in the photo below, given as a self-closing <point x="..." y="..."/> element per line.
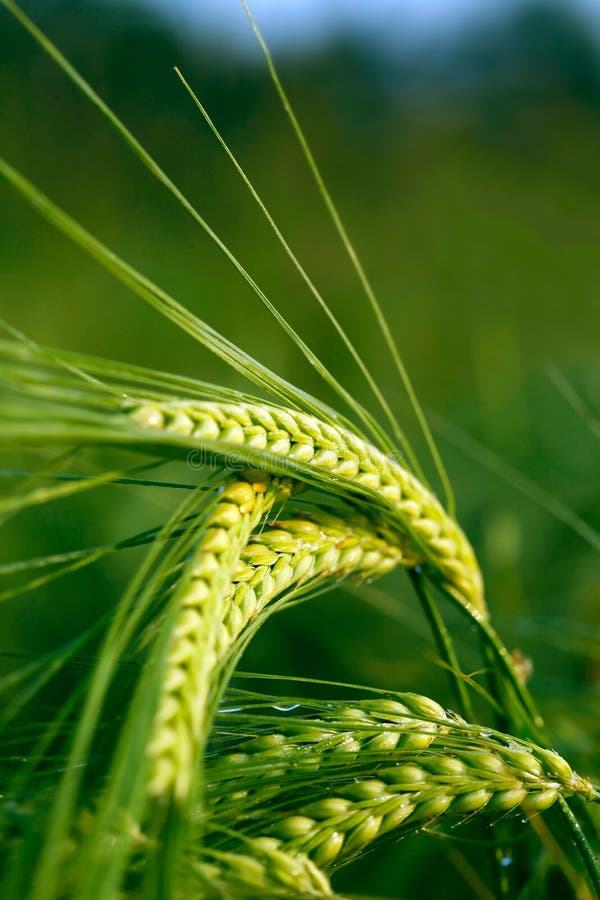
<point x="468" y="176"/>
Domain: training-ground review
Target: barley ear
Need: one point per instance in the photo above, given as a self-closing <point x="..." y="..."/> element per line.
<point x="379" y="767"/>
<point x="311" y="449"/>
<point x="180" y="724"/>
<point x="261" y="867"/>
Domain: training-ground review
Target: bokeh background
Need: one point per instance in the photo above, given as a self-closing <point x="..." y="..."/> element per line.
<point x="461" y="142"/>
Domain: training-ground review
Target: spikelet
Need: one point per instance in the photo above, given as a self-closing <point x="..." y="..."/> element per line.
<point x="262" y="868"/>
<point x="229" y="584"/>
<point x="296" y="553"/>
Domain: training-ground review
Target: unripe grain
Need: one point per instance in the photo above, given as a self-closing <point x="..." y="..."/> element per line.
<point x="392" y="785"/>
<point x="293" y="437"/>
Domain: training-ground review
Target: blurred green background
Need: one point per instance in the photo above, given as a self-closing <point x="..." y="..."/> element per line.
<point x="466" y="170"/>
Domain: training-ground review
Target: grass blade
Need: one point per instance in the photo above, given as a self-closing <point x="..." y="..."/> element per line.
<point x="395" y="425"/>
<point x="366" y="284"/>
<point x="78" y="80"/>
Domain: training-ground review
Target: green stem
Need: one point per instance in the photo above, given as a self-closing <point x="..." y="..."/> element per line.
<point x="448" y="654"/>
<point x="497" y="690"/>
<point x="590" y="860"/>
<point x="444" y="644"/>
<point x="496" y="687"/>
<point x="505" y="662"/>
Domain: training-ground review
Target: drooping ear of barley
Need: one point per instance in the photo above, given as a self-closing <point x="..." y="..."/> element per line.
<point x="179" y="730"/>
<point x="383" y="766"/>
<point x="277" y="558"/>
<point x="306" y="446"/>
<point x="265" y="436"/>
<point x="294" y="553"/>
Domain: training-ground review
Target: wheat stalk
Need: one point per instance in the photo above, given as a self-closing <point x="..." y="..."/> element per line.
<point x="303" y="442"/>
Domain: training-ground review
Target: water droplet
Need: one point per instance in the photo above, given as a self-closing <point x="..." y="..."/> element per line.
<point x="506" y="860"/>
<point x="286" y="708"/>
